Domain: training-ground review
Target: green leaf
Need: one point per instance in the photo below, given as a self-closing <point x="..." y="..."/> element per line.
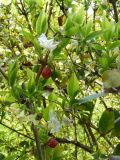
<point x="87" y="107"/>
<point x="31" y="83"/>
<point x="73" y="86"/>
<point x="106" y="122"/>
<point x="108" y="29"/>
<point x="2" y="157"/>
<point x="93" y="35"/>
<point x="104" y="63"/>
<point x="87" y="28"/>
<point x="78" y="16"/>
<point x="43" y="134"/>
<point x="116" y="129"/>
<point x="12" y="157"/>
<point x="71" y="27"/>
<point x="111" y="78"/>
<point x="41" y="24"/>
<point x="58" y="153"/>
<point x="74" y="21"/>
<point x="32" y="39"/>
<point x="14" y="1"/>
<point x="40" y="2"/>
<point x="68" y="2"/>
<point x="17" y="91"/>
<point x="117" y="150"/>
<point x="46" y="113"/>
<point x="88" y="98"/>
<point x="28" y="35"/>
<point x="63" y="44"/>
<point x="114" y="45"/>
<point x="12" y="72"/>
<point x="98" y="47"/>
<point x="37" y="45"/>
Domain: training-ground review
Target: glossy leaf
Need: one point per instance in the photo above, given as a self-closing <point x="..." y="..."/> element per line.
<point x="106" y="122"/>
<point x="88" y="98"/>
<point x="32" y="39"/>
<point x="63" y="44"/>
<point x="73" y="86"/>
<point x="31" y="83"/>
<point x="12" y="73"/>
<point x="41" y="24"/>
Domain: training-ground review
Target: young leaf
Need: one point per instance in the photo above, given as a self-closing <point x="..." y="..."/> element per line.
<point x="108" y="29"/>
<point x="73" y="86"/>
<point x="114" y="45"/>
<point x="12" y="72"/>
<point x="87" y="28"/>
<point x="41" y="24"/>
<point x="28" y="35"/>
<point x="106" y="122"/>
<point x="32" y="39"/>
<point x="31" y="82"/>
<point x="93" y="35"/>
<point x="88" y="98"/>
<point x="63" y="44"/>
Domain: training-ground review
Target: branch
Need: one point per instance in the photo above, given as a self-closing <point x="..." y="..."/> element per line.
<point x="14" y="130"/>
<point x="37" y="140"/>
<point x="36" y="134"/>
<point x="97" y="129"/>
<point x="62" y="7"/>
<point x="113" y="2"/>
<point x="78" y="144"/>
<point x="25" y="15"/>
<point x="50" y="12"/>
<point x="75" y="134"/>
<point x="91" y="134"/>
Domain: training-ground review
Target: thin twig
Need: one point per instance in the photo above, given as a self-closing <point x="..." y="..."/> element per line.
<point x="115" y="10"/>
<point x="37" y="140"/>
<point x="78" y="144"/>
<point x="25" y="15"/>
<point x="75" y="134"/>
<point x="14" y="130"/>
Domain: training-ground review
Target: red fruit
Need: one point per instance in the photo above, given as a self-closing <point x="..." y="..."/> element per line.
<point x="52" y="143"/>
<point x="46" y="72"/>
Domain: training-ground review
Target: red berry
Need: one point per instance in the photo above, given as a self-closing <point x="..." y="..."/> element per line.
<point x="52" y="143"/>
<point x="46" y="72"/>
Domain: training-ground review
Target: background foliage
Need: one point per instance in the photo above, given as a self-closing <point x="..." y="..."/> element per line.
<point x="79" y="104"/>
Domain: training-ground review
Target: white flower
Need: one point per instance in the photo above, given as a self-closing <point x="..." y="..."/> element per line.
<point x="48" y="44"/>
<point x="53" y="123"/>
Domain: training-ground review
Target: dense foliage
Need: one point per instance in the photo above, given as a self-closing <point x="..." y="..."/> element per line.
<point x="59" y="79"/>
